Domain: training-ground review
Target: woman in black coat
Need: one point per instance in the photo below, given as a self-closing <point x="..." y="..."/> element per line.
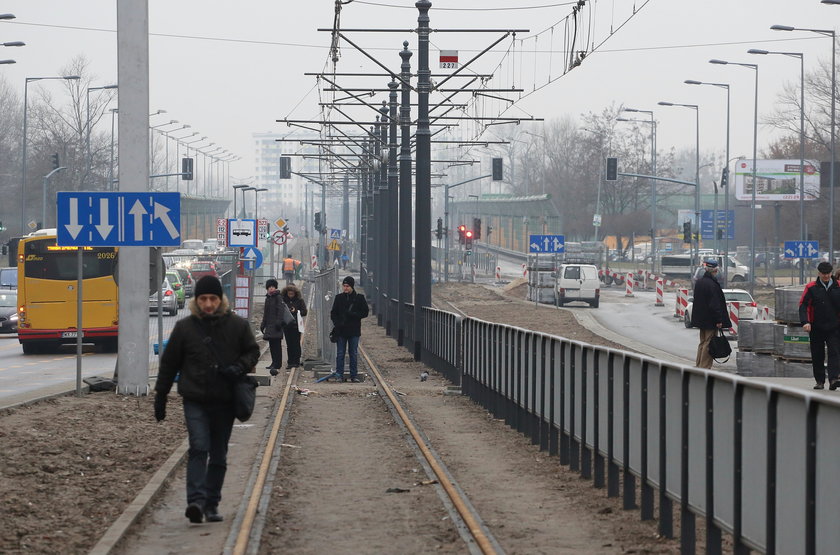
<point x="296" y="305"/>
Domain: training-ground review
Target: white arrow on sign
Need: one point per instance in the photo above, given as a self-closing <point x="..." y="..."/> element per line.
<point x="811" y="249"/>
<point x="557" y="244"/>
<point x="250" y="254"/>
<point x="73" y="228"/>
<point x="138" y="211"/>
<point x="103" y="228"/>
<point x="546" y="243"/>
<point x="535" y="246"/>
<point x="162" y="214"/>
<point x="789" y="253"/>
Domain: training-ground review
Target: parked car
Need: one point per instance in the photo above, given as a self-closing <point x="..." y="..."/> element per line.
<point x="747" y="307"/>
<point x="169" y="302"/>
<point x="202" y="268"/>
<point x="186" y="280"/>
<point x="8" y="311"/>
<point x="178" y="287"/>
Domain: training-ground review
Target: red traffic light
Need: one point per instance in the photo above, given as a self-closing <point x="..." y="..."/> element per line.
<point x="469" y="234"/>
<point x="462" y="228"/>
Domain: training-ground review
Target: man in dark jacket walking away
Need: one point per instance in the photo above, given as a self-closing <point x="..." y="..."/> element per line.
<point x="708" y="312"/>
<point x="297" y="306"/>
<point x="818" y="308"/>
<point x="347" y="312"/>
<point x="275" y="317"/>
<point x="212" y="349"/>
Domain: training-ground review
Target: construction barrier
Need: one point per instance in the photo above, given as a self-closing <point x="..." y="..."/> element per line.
<point x="628" y="290"/>
<point x="660" y="285"/>
<point x="498" y="273"/>
<point x="682" y="302"/>
<point x="734" y="306"/>
<point x="524" y="271"/>
<point x="763" y="314"/>
<point x="314" y="263"/>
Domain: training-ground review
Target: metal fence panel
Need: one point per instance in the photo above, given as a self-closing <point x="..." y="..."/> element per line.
<point x="724" y="452"/>
<point x="827" y="490"/>
<point x="634" y="408"/>
<point x="673" y="430"/>
<point x="754" y="456"/>
<point x="790" y="473"/>
<point x="697" y="440"/>
<point x="617" y="386"/>
<point x="655" y="420"/>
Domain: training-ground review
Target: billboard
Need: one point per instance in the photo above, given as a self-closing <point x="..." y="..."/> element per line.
<point x="776" y="180"/>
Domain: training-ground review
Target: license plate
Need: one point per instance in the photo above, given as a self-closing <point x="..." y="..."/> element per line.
<point x="67" y="334"/>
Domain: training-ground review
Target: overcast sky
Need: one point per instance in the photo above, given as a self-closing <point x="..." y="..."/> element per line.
<point x="230" y="88"/>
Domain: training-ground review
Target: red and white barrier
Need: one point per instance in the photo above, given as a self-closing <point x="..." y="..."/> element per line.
<point x="660" y="295"/>
<point x="682" y="302"/>
<point x="498" y="273"/>
<point x="314" y="263"/>
<point x="734" y="306"/>
<point x="763" y="314"/>
<point x="524" y="271"/>
<point x="628" y="282"/>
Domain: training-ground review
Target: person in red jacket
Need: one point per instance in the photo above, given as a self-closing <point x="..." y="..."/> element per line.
<point x="818" y="311"/>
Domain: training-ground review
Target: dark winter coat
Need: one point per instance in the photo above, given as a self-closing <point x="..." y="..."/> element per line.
<point x="186" y="352"/>
<point x="347" y="312"/>
<point x="295" y="304"/>
<point x="273" y="316"/>
<point x="819" y="307"/>
<point x="709" y="308"/>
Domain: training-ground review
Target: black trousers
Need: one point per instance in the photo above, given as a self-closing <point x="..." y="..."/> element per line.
<point x="275" y="347"/>
<point x="822" y="341"/>
<point x="292" y="344"/>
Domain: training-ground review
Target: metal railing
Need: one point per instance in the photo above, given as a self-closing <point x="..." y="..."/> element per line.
<point x="325" y="287"/>
<point x="754" y="460"/>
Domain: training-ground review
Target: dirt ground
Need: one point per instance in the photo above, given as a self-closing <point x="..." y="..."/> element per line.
<point x="69" y="466"/>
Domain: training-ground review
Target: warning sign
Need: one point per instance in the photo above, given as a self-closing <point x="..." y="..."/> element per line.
<point x="334" y="246"/>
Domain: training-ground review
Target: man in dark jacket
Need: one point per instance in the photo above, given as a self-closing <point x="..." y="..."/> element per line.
<point x="275" y="317"/>
<point x="818" y="308"/>
<point x="211" y="348"/>
<point x="347" y="312"/>
<point x="708" y="312"/>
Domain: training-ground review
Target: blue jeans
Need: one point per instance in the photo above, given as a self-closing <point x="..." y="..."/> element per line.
<point x="209" y="427"/>
<point x="341" y="346"/>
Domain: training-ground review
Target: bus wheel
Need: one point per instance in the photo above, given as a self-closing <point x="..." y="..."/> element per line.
<point x="29" y="348"/>
<point x="109" y="346"/>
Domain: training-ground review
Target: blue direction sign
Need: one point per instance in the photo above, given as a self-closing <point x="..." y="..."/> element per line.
<point x="725" y="222"/>
<point x="547" y="243"/>
<point x="252" y="258"/>
<point x="118" y="219"/>
<point x="802" y="249"/>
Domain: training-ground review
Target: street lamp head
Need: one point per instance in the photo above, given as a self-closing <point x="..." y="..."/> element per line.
<point x="784" y="27"/>
<point x="757" y="51"/>
<point x="261" y="189"/>
<point x="692" y="82"/>
<point x="14" y="43"/>
<point x="623" y="119"/>
<point x="663" y="103"/>
<point x="716" y="61"/>
<point x="7" y="16"/>
<point x="4" y="62"/>
<point x="240" y="186"/>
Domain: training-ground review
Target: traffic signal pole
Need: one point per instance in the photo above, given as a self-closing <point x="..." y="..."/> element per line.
<point x="446" y="220"/>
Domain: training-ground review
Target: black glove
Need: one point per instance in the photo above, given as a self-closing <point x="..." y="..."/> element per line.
<point x="232" y="372"/>
<point x="278" y="327"/>
<point x="160" y="406"/>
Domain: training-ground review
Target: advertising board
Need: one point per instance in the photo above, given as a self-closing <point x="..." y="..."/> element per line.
<point x="777" y="180"/>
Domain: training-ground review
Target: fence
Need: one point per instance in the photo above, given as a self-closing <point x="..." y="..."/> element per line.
<point x="743" y="455"/>
<point x="325" y="287"/>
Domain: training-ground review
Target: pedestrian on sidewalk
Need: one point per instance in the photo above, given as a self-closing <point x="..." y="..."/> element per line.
<point x="211" y="348"/>
<point x="708" y="312"/>
<point x="348" y="309"/>
<point x="818" y="312"/>
<point x="297" y="307"/>
<point x="275" y="315"/>
<point x="290" y="267"/>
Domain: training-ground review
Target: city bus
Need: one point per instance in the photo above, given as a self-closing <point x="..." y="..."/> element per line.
<point x="47" y="296"/>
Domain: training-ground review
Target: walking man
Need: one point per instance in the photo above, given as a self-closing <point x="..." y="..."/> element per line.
<point x="212" y="348"/>
<point x="818" y="308"/>
<point x="347" y="312"/>
<point x="709" y="312"/>
<point x="290" y="265"/>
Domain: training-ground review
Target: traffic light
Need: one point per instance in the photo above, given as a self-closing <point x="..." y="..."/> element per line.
<point x="186" y="169"/>
<point x="489" y="230"/>
<point x="468" y="239"/>
<point x="612" y="169"/>
<point x="687" y="232"/>
<point x="317" y="221"/>
<point x="439" y="228"/>
<point x="285" y="167"/>
<point x="724" y="178"/>
<point x="55" y="161"/>
<point x="476" y="228"/>
<point x="498" y="167"/>
<point x="462" y="230"/>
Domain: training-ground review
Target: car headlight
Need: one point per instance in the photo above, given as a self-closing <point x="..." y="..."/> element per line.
<point x="13" y="318"/>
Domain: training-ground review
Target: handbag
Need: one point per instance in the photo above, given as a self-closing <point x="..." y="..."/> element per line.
<point x="719" y="347"/>
<point x="244" y="389"/>
<point x="299" y="319"/>
<point x="333" y="335"/>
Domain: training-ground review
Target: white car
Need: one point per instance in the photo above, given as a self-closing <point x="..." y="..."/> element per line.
<point x="747" y="307"/>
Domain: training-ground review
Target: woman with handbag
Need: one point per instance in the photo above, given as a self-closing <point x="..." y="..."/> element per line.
<point x="275" y="317"/>
<point x="297" y="307"/>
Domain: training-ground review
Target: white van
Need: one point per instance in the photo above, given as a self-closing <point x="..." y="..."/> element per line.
<point x="194" y="244"/>
<point x="678" y="265"/>
<point x="578" y="282"/>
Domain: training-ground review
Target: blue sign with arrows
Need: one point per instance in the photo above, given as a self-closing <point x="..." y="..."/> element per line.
<point x="252" y="258"/>
<point x="118" y="219"/>
<point x="547" y="243"/>
<point x="802" y="249"/>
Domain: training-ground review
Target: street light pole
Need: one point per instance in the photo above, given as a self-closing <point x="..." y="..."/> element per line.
<point x="833" y="122"/>
<point x="696" y="109"/>
<point x="87" y="130"/>
<point x="754" y="166"/>
<point x="235" y="188"/>
<point x="801" y="57"/>
<point x="653" y="200"/>
<point x="23" y="149"/>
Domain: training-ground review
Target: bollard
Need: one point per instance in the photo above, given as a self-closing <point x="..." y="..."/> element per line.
<point x="628" y="290"/>
<point x="660" y="285"/>
<point x="733" y="306"/>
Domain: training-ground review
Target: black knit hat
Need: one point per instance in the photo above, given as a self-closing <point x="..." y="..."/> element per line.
<point x="271" y="283"/>
<point x="208" y="285"/>
<point x="349" y="281"/>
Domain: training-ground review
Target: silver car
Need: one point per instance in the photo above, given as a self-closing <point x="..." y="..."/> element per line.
<point x="169" y="301"/>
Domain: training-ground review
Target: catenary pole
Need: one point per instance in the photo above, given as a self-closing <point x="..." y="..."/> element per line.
<point x="404" y="239"/>
<point x="423" y="190"/>
<point x="392" y="217"/>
